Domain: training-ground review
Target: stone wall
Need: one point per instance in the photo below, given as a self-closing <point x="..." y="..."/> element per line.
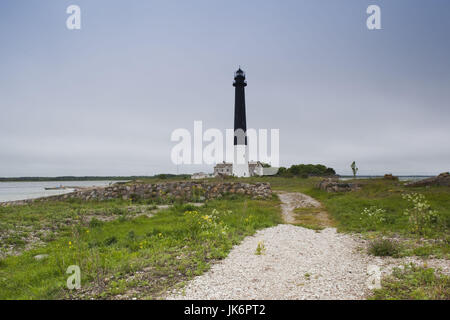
<point x="182" y="190"/>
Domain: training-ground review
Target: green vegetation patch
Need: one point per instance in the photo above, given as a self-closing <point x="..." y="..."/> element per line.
<point x="132" y="256"/>
<point x="306" y="170"/>
<point x="414" y="283"/>
<point x="312" y="218"/>
<point x="41" y="222"/>
<point x="384" y="247"/>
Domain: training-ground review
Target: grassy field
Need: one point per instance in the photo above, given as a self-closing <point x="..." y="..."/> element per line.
<point x="137" y="249"/>
<point x="346" y="208"/>
<point x="413" y="283"/>
<point x="171" y="245"/>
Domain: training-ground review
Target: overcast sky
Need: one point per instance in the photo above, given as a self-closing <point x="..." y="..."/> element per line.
<point x="105" y="99"/>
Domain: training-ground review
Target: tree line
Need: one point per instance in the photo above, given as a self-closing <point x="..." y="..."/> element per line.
<point x="306" y="170"/>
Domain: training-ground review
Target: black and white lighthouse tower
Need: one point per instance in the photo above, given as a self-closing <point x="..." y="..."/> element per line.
<point x="240" y="163"/>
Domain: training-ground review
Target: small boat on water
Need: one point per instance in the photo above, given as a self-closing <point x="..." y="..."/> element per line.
<point x="74" y="188"/>
<point x="56" y="188"/>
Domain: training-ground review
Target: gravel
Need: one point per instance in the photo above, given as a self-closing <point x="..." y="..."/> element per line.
<point x="298" y="263"/>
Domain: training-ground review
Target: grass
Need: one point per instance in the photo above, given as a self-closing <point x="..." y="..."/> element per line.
<point x="346" y="207"/>
<point x="172" y="246"/>
<point x="42" y="221"/>
<point x="414" y="283"/>
<point x="312" y="218"/>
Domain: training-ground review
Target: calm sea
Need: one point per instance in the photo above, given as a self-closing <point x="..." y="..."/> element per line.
<point x="10" y="191"/>
<point x="400" y="178"/>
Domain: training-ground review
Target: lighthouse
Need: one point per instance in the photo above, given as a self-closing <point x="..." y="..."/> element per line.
<point x="240" y="160"/>
<point x="241" y="166"/>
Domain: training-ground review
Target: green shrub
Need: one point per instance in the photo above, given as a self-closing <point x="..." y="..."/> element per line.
<point x="95" y="223"/>
<point x="186" y="207"/>
<point x="123" y="218"/>
<point x="372" y="217"/>
<point x="260" y="249"/>
<point x="110" y="241"/>
<point x="383" y="247"/>
<point x="422" y="219"/>
<point x="306" y="170"/>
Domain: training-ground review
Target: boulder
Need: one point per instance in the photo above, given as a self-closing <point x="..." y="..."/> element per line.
<point x="333" y="185"/>
<point x="41" y="256"/>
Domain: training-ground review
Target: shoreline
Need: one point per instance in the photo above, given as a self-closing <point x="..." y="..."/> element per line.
<point x="26" y="191"/>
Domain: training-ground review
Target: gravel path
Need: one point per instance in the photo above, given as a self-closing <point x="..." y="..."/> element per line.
<point x="298" y="263"/>
<point x="293" y="200"/>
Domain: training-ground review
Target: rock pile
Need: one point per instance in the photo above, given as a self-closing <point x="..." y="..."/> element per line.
<point x="441" y="180"/>
<point x="333" y="185"/>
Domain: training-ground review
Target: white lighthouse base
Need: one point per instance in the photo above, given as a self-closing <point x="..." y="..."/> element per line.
<point x="240" y="164"/>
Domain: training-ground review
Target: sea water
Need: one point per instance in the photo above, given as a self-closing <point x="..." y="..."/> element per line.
<point x="10" y="191"/>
